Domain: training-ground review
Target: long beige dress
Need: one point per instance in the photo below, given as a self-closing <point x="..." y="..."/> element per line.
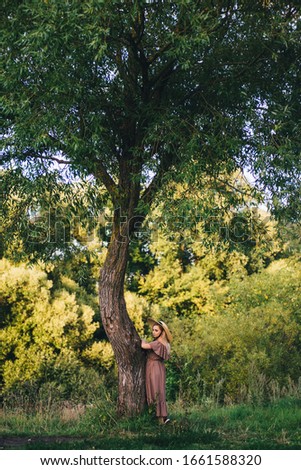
<point x="156" y="377"/>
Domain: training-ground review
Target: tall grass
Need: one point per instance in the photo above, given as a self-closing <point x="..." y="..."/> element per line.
<point x="257" y="390"/>
<point x="275" y="426"/>
<point x="257" y="424"/>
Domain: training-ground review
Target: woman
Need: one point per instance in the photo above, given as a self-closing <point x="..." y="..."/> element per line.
<point x="158" y="351"/>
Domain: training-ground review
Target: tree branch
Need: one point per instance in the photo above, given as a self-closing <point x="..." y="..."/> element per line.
<point x="157" y="54"/>
<point x="232" y="187"/>
<point x="54" y="159"/>
<point x="101" y="173"/>
<point x="155" y="184"/>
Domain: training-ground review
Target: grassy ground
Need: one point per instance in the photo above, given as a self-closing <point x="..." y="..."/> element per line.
<point x="274" y="426"/>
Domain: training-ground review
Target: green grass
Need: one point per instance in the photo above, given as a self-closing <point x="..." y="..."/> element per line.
<point x="274" y="426"/>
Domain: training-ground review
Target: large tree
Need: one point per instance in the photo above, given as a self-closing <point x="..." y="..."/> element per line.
<point x="136" y="93"/>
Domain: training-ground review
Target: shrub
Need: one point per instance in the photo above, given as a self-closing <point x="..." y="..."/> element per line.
<point x="46" y="333"/>
<point x="251" y="340"/>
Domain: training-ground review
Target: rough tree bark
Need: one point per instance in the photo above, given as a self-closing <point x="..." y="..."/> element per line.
<point x="119" y="328"/>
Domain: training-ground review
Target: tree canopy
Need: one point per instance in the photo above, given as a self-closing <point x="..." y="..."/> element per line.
<point x="140" y="93"/>
<point x="129" y="91"/>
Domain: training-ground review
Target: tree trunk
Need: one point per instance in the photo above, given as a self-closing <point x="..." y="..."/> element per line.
<point x="119" y="328"/>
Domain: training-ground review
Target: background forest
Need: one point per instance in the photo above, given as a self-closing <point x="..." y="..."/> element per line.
<point x="128" y="129"/>
<point x="226" y="279"/>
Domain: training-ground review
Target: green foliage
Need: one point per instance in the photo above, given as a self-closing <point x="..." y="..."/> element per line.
<point x="47" y="335"/>
<point x="135" y="95"/>
<point x="124" y="90"/>
<point x="96" y="426"/>
<point x="100" y="353"/>
<point x="66" y="381"/>
<point x="139" y="310"/>
<point x="250" y="342"/>
<point x="237" y="336"/>
<point x="191" y="256"/>
<point x="48" y="217"/>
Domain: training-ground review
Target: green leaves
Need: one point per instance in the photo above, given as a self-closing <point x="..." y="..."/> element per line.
<point x="155" y="82"/>
<point x="252" y="335"/>
<point x="41" y="325"/>
<point x="44" y="216"/>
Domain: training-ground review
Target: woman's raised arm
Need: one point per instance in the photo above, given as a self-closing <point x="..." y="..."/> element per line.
<point x="145" y="344"/>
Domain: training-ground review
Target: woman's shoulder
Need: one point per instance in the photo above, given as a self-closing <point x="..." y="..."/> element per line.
<point x="160" y="349"/>
<point x="157" y="343"/>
